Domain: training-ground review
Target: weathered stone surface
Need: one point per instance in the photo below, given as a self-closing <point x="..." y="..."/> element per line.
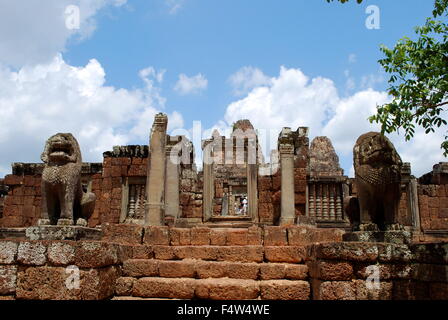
<point x="237" y="237"/>
<point x="124" y="286"/>
<point x="141" y="268"/>
<point x="180" y="236"/>
<point x="177" y="269"/>
<point x="227" y="289"/>
<point x="164" y="252"/>
<point x="285" y="290"/>
<point x="8" y="276"/>
<point x="123" y="233"/>
<point x="384" y="292"/>
<point x="323" y="158"/>
<point x="32" y="253"/>
<point x="296" y="272"/>
<point x="395" y="253"/>
<point x="290" y="254"/>
<point x="386" y="271"/>
<point x="63" y="233"/>
<point x="333" y="290"/>
<point x="50" y="283"/>
<point x="200" y="236"/>
<point x="330" y="270"/>
<point x="94" y="254"/>
<point x="410" y="290"/>
<point x="430" y="252"/>
<point x="240" y="253"/>
<point x="243" y="270"/>
<point x="61" y="253"/>
<point x="8" y="252"/>
<point x="270" y="271"/>
<point x="157" y="236"/>
<point x="180" y="288"/>
<point x="351" y="251"/>
<point x="218" y="237"/>
<point x="275" y="236"/>
<point x="395" y="237"/>
<point x="205" y="269"/>
<point x="438" y="291"/>
<point x="129" y="251"/>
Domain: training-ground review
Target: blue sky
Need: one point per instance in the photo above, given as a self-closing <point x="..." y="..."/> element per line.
<point x="217" y="38"/>
<point x="330" y="78"/>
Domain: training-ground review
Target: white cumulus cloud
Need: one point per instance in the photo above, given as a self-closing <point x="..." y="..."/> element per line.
<point x="191" y="85"/>
<point x="39" y="101"/>
<point x="247" y="78"/>
<point x="292" y="99"/>
<point x="33" y="31"/>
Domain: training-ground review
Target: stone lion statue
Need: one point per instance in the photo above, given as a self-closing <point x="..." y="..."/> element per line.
<point x="377" y="178"/>
<point x="64" y="202"/>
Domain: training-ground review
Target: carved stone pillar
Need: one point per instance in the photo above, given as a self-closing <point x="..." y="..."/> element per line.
<point x="208" y="185"/>
<point x="155" y="185"/>
<point x="325" y="201"/>
<point x="312" y="201"/>
<point x="332" y="201"/>
<point x="413" y="208"/>
<point x="286" y="149"/>
<point x="172" y="183"/>
<point x="339" y="195"/>
<point x="252" y="179"/>
<point x="318" y="201"/>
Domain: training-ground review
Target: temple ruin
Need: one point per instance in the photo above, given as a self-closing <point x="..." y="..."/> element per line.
<point x="279" y="230"/>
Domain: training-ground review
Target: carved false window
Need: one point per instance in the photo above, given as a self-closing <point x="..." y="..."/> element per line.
<point x="133" y="200"/>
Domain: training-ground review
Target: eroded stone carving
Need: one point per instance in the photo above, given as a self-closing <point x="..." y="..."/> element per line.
<point x="64" y="202"/>
<point x="377" y="177"/>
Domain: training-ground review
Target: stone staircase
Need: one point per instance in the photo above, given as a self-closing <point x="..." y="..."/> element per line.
<point x="215" y="263"/>
<point x="217" y="273"/>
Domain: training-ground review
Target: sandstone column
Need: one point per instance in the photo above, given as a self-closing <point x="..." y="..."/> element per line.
<point x="155" y="183"/>
<point x="172" y="182"/>
<point x="286" y="150"/>
<point x="208" y="185"/>
<point x="252" y="179"/>
<point x="412" y="196"/>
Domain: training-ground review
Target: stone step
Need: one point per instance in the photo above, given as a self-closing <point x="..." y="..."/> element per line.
<point x="226" y="225"/>
<point x="191" y="268"/>
<point x="286" y="254"/>
<point x="219" y="289"/>
<point x="144" y="299"/>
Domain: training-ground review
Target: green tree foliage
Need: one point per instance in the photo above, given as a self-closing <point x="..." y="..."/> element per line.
<point x="418" y="82"/>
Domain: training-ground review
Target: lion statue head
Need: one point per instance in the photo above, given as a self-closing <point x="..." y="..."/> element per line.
<point x="376" y="150"/>
<point x="61" y="148"/>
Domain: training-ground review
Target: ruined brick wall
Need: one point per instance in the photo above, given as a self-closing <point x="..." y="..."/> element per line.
<point x="118" y="165"/>
<point x="190" y="198"/>
<point x="3" y="193"/>
<point x="301" y="169"/>
<point x="22" y="204"/>
<point x="269" y="198"/>
<point x="433" y="205"/>
<point x="433" y="199"/>
<point x="338" y="271"/>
